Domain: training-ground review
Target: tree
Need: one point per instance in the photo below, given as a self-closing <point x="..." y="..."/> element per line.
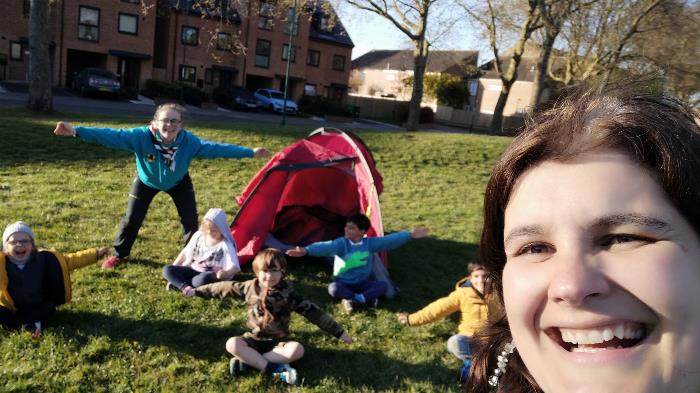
<point x="554" y="13"/>
<point x="411" y="18"/>
<point x="40" y="99"/>
<point x="667" y="50"/>
<point x="598" y="40"/>
<point x="525" y="14"/>
<point x="447" y="89"/>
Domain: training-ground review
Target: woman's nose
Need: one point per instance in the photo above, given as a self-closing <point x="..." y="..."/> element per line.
<point x="577" y="279"/>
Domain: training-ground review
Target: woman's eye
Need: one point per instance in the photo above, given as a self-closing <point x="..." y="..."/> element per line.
<point x="622" y="238"/>
<point x="534" y="248"/>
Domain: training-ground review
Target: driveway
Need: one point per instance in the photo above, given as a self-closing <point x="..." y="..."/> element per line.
<point x="13" y="94"/>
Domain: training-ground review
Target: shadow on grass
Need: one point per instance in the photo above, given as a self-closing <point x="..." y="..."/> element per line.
<point x="354" y="368"/>
<point x="183" y="337"/>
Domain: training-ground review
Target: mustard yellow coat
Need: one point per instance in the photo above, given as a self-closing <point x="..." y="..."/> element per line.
<point x="68" y="262"/>
<point x="473" y="307"/>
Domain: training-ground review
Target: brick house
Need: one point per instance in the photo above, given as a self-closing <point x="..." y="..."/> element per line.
<point x="320" y="58"/>
<point x="109" y="34"/>
<point x="173" y="40"/>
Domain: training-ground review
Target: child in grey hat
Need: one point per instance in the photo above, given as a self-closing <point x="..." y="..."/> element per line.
<point x="33" y="282"/>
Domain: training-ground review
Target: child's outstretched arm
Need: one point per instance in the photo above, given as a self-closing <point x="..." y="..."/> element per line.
<point x="434" y="311"/>
<point x="223" y="289"/>
<point x="297" y="252"/>
<point x="77" y="260"/>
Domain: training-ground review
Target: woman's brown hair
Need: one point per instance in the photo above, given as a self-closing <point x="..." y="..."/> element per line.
<point x="659" y="133"/>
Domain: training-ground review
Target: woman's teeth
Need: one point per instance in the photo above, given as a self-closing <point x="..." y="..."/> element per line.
<point x="620" y="335"/>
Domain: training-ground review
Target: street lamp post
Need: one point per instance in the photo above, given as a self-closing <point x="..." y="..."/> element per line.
<point x="290" y="49"/>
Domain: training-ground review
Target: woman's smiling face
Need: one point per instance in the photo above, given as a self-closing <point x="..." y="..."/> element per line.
<point x="602" y="279"/>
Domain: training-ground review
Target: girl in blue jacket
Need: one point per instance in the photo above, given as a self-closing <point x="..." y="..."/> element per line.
<point x="163" y="151"/>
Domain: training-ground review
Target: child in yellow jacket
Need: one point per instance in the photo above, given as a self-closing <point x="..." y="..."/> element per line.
<point x="468" y="298"/>
<point x="34" y="282"/>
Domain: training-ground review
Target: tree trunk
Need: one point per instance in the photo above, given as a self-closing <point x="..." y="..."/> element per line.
<point x="497" y="120"/>
<point x="420" y="59"/>
<point x="542" y="65"/>
<point x="40" y="99"/>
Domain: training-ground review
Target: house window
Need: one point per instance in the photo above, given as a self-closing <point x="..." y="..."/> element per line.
<point x="187" y="73"/>
<point x="208" y="76"/>
<point x="265" y="16"/>
<point x="292" y="15"/>
<point x="262" y="53"/>
<point x="473" y="86"/>
<point x="15" y="51"/>
<point x="128" y="24"/>
<point x="190" y="35"/>
<point x="223" y="41"/>
<point x="25" y="8"/>
<point x="338" y="62"/>
<point x="323" y="23"/>
<point x="309" y="89"/>
<point x="313" y="58"/>
<point x="89" y="24"/>
<point x="285" y="53"/>
<point x="131" y="1"/>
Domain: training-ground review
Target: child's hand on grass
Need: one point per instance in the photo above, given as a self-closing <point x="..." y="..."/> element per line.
<point x="346" y="338"/>
<point x="402" y="317"/>
<point x="296" y="252"/>
<point x="419" y="232"/>
<point x="64" y="129"/>
<point x="102" y="251"/>
<point x="261" y="152"/>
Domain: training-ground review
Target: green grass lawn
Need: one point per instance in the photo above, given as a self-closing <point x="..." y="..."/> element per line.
<point x="123" y="332"/>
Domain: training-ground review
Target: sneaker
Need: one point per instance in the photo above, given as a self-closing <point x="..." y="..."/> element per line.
<point x="348" y="305"/>
<point x="236" y="367"/>
<point x="288" y="375"/>
<point x="170" y="287"/>
<point x="111" y="262"/>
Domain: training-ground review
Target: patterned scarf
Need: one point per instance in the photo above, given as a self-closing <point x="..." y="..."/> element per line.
<point x="168" y="153"/>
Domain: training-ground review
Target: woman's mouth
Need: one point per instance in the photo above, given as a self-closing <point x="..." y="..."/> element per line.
<point x="602" y="338"/>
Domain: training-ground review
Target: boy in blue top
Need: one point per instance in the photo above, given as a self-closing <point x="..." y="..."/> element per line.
<point x="352" y="264"/>
<point x="163" y="152"/>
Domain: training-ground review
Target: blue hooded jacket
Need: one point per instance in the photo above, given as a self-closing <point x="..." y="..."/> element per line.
<point x="151" y="167"/>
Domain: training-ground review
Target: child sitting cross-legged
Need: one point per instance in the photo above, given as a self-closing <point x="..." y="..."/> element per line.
<point x="209" y="256"/>
<point x="271" y="300"/>
<point x="352" y="264"/>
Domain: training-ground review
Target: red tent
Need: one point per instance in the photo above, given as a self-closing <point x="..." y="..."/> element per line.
<point x="306" y="191"/>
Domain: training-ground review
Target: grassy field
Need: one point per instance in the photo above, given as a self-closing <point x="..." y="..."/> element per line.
<point x="123" y="332"/>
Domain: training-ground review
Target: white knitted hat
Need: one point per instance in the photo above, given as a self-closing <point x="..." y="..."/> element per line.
<point x="19" y="226"/>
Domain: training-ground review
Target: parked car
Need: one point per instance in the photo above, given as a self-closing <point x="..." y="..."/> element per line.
<point x="239" y="98"/>
<point x="274" y="101"/>
<point x="93" y="80"/>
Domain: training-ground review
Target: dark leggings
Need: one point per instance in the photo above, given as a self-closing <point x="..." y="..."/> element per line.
<point x="182" y="276"/>
<point x="26" y="314"/>
<point x="140" y="197"/>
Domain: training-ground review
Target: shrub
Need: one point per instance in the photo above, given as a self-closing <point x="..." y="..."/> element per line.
<point x="426" y="115"/>
<point x="176" y="91"/>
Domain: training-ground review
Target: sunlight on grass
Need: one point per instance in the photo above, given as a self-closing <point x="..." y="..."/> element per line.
<point x="124" y="332"/>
